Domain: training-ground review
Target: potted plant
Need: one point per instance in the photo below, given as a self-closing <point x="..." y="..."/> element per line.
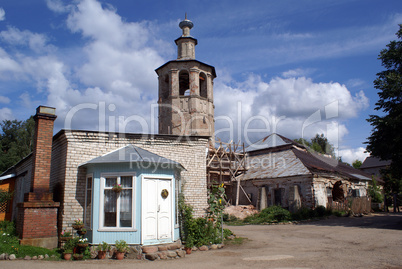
<point x="189" y="244"/>
<point x="82" y="231"/>
<point x="67" y="253"/>
<point x="64" y="236"/>
<point x="78" y="256"/>
<point x="121" y="249"/>
<point x="117" y="188"/>
<point x="102" y="249"/>
<point x="78" y="224"/>
<point x="82" y="242"/>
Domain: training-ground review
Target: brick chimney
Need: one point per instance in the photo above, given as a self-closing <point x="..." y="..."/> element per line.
<point x="37" y="215"/>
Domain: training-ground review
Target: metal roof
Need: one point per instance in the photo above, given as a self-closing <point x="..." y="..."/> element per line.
<point x="274" y="165"/>
<point x="371" y="162"/>
<point x="271" y="141"/>
<point x="276" y="156"/>
<point x="133" y="154"/>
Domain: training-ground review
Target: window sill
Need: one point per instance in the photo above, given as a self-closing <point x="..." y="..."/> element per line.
<point x="117" y="230"/>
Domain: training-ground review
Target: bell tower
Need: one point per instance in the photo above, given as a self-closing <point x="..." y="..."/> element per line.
<point x="186" y="90"/>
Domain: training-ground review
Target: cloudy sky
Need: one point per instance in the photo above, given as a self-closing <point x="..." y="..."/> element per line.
<point x="293" y="67"/>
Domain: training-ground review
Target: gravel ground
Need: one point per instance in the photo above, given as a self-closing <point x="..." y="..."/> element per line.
<point x="373" y="241"/>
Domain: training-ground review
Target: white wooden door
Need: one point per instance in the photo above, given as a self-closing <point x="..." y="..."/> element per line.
<point x="156" y="211"/>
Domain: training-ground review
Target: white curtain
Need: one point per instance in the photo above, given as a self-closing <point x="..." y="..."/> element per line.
<point x="110" y="201"/>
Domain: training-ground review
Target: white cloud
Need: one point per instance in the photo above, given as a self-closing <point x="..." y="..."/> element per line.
<point x="293" y="107"/>
<point x="36" y="42"/>
<point x="6" y="114"/>
<point x="350" y="155"/>
<point x="2" y="14"/>
<point x="4" y="100"/>
<point x="57" y="6"/>
<point x="298" y="72"/>
<point x="7" y="64"/>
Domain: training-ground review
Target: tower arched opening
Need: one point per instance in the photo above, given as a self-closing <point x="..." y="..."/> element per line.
<point x="165" y="87"/>
<point x="203" y="85"/>
<point x="184" y="83"/>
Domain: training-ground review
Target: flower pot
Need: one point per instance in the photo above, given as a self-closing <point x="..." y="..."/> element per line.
<point x="117" y="190"/>
<point x="65" y="238"/>
<point x="119" y="255"/>
<point x="78" y="226"/>
<point x="78" y="256"/>
<point x="188" y="250"/>
<point x="67" y="256"/>
<point x="101" y="254"/>
<point x="82" y="245"/>
<point x="81" y="232"/>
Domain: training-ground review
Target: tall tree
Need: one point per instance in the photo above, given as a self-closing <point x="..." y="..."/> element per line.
<point x="385" y="140"/>
<point x="319" y="143"/>
<point x="357" y="163"/>
<point x="16" y="141"/>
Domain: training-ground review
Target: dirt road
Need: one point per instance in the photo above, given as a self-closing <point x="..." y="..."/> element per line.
<point x="369" y="242"/>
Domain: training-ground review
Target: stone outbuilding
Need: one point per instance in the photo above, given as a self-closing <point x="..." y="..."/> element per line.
<point x="283" y="172"/>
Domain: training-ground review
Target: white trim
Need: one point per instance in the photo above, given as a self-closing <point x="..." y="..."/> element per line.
<point x="7" y="177"/>
<point x="90" y="175"/>
<point x="101" y="228"/>
<point x="172" y="217"/>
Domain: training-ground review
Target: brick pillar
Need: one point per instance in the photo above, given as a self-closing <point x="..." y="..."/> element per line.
<point x="37" y="215"/>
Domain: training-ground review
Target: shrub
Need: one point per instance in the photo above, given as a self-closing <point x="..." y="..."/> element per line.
<point x="302" y="214"/>
<point x="320" y="211"/>
<point x="8" y="227"/>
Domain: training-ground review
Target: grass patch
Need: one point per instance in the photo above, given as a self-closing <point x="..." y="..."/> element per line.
<point x="9" y="244"/>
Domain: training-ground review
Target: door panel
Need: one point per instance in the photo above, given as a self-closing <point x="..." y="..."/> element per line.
<point x="165" y="210"/>
<point x="149" y="204"/>
<point x="156" y="210"/>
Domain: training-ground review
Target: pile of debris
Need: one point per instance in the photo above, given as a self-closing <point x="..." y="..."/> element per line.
<point x="240" y="211"/>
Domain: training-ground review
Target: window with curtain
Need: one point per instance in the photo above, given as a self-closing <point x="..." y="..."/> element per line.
<point x="117" y="207"/>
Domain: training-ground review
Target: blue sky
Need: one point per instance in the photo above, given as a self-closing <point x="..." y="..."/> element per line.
<point x="294" y="67"/>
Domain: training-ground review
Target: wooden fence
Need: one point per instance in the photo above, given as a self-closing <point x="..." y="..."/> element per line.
<point x="356" y="205"/>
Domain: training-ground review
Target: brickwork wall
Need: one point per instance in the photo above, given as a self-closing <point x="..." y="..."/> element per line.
<point x="42" y="153"/>
<point x="37" y="222"/>
<point x="76" y="147"/>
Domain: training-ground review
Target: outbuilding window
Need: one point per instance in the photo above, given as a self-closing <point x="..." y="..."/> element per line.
<point x="117" y="205"/>
<point x="88" y="201"/>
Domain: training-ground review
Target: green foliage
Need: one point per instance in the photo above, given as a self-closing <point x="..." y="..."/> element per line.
<point x="320" y="211"/>
<point x="10" y="244"/>
<point x="375" y="192"/>
<point x="319" y="144"/>
<point x="271" y="214"/>
<point x="16" y="141"/>
<point x="385" y="140"/>
<point x="227" y="233"/>
<point x="356" y="164"/>
<point x="205" y="230"/>
<point x="8" y="227"/>
<point x="121" y="246"/>
<point x="103" y="247"/>
<point x="71" y="243"/>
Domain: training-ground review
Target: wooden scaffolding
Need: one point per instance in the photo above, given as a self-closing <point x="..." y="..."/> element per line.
<point x="226" y="163"/>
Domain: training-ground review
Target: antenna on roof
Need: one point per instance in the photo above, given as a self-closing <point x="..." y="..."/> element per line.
<point x="185" y="16"/>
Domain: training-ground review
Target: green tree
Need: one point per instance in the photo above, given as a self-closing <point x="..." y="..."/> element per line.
<point x="16" y="141"/>
<point x="319" y="143"/>
<point x="385" y="140"/>
<point x="356" y="164"/>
